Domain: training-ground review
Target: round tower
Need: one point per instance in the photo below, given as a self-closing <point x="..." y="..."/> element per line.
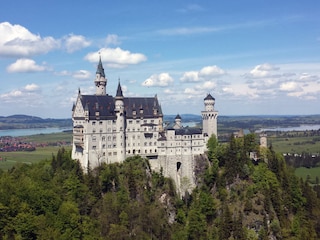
<point x="100" y="81"/>
<point x="120" y="125"/>
<point x="209" y="117"/>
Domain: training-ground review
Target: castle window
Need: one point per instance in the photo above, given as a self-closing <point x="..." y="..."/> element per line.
<point x="104" y="154"/>
<point x="137" y="121"/>
<point x="178" y="166"/>
<point x="103" y="146"/>
<point x="130" y="121"/>
<point x="100" y="123"/>
<point x="94" y="138"/>
<point x="103" y="138"/>
<point x="94" y="147"/>
<point x="93" y="130"/>
<point x="93" y="123"/>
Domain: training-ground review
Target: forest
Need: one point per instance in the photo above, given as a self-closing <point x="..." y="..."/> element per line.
<point x="235" y="198"/>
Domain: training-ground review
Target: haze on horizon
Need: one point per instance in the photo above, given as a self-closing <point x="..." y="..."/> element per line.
<point x="254" y="57"/>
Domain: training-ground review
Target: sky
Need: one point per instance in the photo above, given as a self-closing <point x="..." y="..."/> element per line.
<point x="254" y="57"/>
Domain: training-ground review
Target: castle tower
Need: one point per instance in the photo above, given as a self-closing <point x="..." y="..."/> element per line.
<point x="177" y="122"/>
<point x="120" y="124"/>
<point x="100" y="81"/>
<point x="209" y="117"/>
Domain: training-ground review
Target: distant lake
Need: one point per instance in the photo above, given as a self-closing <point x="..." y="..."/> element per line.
<point x="288" y="129"/>
<point x="30" y="131"/>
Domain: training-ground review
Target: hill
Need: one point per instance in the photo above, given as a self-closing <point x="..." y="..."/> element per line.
<point x="235" y="198"/>
<point x="26" y="121"/>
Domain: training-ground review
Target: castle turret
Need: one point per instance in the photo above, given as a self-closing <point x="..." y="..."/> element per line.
<point x="100" y="81"/>
<point x="177" y="122"/>
<point x="120" y="124"/>
<point x="209" y="117"/>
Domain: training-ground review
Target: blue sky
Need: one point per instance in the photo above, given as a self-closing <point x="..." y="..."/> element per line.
<point x="255" y="57"/>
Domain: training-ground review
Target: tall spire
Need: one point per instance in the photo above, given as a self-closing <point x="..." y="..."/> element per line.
<point x="100" y="81"/>
<point x="100" y="69"/>
<point x="119" y="90"/>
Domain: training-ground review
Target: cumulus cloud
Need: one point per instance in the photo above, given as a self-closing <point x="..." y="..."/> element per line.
<point x="112" y="39"/>
<point x="161" y="80"/>
<point x="29" y="95"/>
<point x="289" y="86"/>
<point x="17" y="41"/>
<point x="25" y="65"/>
<point x="200" y="89"/>
<point x="261" y="71"/>
<point x="31" y="87"/>
<point x="205" y="73"/>
<point x="75" y="42"/>
<point x="211" y="71"/>
<point x="116" y="57"/>
<point x="82" y="74"/>
<point x="191" y="76"/>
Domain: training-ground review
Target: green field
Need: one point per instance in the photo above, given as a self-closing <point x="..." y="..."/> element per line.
<point x="303" y="172"/>
<point x="41" y="153"/>
<point x="295" y="144"/>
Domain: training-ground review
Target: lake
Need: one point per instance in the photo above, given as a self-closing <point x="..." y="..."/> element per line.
<point x="288" y="129"/>
<point x="30" y="131"/>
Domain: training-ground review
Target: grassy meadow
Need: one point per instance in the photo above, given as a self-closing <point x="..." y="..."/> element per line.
<point x="295" y="144"/>
<point x="313" y="173"/>
<point x="41" y="153"/>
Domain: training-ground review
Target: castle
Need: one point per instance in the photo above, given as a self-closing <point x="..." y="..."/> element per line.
<point x="109" y="129"/>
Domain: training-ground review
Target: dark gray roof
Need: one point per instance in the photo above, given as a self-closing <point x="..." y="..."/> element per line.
<point x="188" y="131"/>
<point x="104" y="104"/>
<point x="209" y="97"/>
<point x="178" y="117"/>
<point x="146" y="107"/>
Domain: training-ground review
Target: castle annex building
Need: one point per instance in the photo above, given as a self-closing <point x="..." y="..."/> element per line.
<point x="109" y="129"/>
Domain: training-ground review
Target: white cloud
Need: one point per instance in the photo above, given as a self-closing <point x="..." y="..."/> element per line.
<point x="112" y="39"/>
<point x="205" y="73"/>
<point x="211" y="71"/>
<point x="75" y="42"/>
<point x="161" y="80"/>
<point x="28" y="95"/>
<point x="25" y="65"/>
<point x="116" y="57"/>
<point x="289" y="86"/>
<point x="17" y="41"/>
<point x="261" y="71"/>
<point x="31" y="87"/>
<point x="82" y="74"/>
<point x="200" y="89"/>
<point x="191" y="76"/>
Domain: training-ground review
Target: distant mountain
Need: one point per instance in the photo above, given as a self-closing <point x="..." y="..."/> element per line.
<point x="20" y="121"/>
